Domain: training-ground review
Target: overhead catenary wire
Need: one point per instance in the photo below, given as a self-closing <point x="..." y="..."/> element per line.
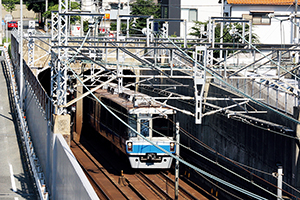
<point x="233" y="88"/>
<point x="173" y="156"/>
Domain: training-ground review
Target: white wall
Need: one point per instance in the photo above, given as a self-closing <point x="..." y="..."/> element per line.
<point x="205" y="9"/>
<point x="269" y="34"/>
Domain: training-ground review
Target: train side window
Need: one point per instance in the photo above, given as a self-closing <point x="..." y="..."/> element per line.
<point x="145" y="127"/>
<point x="132" y="122"/>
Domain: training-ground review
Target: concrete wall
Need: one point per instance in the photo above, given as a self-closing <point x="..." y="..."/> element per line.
<point x="247" y="144"/>
<point x="16" y="13"/>
<point x="70" y="181"/>
<point x="65" y="179"/>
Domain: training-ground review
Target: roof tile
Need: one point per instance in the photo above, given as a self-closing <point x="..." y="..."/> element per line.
<point x="262" y="2"/>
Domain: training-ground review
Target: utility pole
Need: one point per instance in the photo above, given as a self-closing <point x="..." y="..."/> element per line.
<point x="46" y="19"/>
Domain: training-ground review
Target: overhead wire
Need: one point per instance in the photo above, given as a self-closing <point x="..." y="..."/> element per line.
<point x="173" y="156"/>
<point x="184" y="162"/>
<point x="221" y="80"/>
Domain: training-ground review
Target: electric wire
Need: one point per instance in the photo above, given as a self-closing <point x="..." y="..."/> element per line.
<point x="197" y="169"/>
<point x="182" y="130"/>
<point x="235" y="89"/>
<point x="221" y="80"/>
<point x="175" y="157"/>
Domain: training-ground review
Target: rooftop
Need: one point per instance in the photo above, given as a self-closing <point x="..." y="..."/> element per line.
<point x="262" y="2"/>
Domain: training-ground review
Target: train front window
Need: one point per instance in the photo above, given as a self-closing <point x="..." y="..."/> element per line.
<point x="162" y="125"/>
<point x="145" y="127"/>
<point x="132" y="122"/>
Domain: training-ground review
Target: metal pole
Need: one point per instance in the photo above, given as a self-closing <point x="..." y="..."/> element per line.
<point x="250" y="34"/>
<point x="46" y="20"/>
<point x="21" y="55"/>
<point x="222" y="28"/>
<point x="279" y="182"/>
<point x="148" y="32"/>
<point x="6" y="31"/>
<point x="128" y="12"/>
<point x="185" y="34"/>
<point x="118" y="27"/>
<point x="295" y="25"/>
<point x="1" y="22"/>
<point x="177" y="161"/>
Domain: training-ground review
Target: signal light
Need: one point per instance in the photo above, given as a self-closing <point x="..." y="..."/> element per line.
<point x="172" y="146"/>
<point x="129" y="146"/>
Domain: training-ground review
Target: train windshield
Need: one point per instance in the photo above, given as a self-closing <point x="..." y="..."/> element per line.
<point x="162" y="125"/>
<point x="132" y="122"/>
<point x="145" y="127"/>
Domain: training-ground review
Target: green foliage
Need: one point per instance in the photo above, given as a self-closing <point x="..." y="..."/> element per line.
<point x="75" y="6"/>
<point x="85" y="26"/>
<point x="10" y="5"/>
<point x="39" y="6"/>
<point x="227" y="37"/>
<point x="144" y="7"/>
<point x="113" y="27"/>
<point x="196" y="28"/>
<point x="52" y="7"/>
<point x="235" y="39"/>
<point x="4" y="40"/>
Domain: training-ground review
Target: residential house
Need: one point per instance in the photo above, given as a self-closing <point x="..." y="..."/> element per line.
<point x="272" y="20"/>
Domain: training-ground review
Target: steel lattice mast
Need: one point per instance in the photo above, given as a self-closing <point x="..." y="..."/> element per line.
<point x="59" y="66"/>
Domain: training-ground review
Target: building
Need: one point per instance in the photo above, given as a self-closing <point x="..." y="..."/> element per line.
<point x="199" y="10"/>
<point x="272" y="20"/>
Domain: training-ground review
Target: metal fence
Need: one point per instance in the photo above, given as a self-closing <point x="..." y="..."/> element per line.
<point x="64" y="179"/>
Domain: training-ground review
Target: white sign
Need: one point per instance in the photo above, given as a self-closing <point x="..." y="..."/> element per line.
<point x="31" y="24"/>
<point x="75" y="30"/>
<point x="8" y="17"/>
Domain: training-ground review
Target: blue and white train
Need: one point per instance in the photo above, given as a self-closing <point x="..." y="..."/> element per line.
<point x="143" y="115"/>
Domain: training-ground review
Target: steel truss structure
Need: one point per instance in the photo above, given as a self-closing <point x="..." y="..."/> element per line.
<point x="155" y="56"/>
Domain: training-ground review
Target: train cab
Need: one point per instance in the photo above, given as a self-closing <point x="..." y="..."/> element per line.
<point x="157" y="125"/>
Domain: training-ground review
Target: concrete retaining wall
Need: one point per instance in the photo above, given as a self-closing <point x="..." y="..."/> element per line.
<point x="250" y="145"/>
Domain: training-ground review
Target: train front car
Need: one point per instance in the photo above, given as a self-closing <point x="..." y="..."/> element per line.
<point x="156" y="124"/>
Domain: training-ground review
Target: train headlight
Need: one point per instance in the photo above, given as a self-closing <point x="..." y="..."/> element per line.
<point x="172" y="146"/>
<point x="129" y="146"/>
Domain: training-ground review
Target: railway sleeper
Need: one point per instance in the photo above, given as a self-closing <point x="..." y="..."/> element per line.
<point x="161" y="193"/>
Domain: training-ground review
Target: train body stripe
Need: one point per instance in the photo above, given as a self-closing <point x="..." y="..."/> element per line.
<point x="143" y="149"/>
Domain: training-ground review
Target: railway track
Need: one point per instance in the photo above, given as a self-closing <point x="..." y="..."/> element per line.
<point x="112" y="179"/>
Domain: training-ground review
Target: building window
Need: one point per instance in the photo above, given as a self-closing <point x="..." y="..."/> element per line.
<point x="260" y="17"/>
<point x="115" y="6"/>
<point x="189" y="14"/>
<point x="192" y="15"/>
<point x="164" y="12"/>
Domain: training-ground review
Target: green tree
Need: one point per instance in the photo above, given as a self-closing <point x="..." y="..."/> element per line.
<point x="75" y="6"/>
<point x="140" y="7"/>
<point x="227" y="37"/>
<point x="10" y="5"/>
<point x="39" y="6"/>
<point x="145" y="7"/>
<point x="54" y="7"/>
<point x="51" y="7"/>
